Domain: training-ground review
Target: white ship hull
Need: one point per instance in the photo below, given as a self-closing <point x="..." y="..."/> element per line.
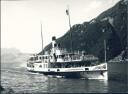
<point x="92" y="72"/>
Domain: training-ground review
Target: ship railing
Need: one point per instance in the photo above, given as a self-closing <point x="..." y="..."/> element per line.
<point x="78" y="58"/>
<point x="85" y="58"/>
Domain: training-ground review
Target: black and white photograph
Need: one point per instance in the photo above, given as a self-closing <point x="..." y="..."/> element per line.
<point x="64" y="46"/>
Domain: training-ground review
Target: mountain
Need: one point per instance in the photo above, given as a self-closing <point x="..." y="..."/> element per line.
<point x="13" y="55"/>
<point x="89" y="36"/>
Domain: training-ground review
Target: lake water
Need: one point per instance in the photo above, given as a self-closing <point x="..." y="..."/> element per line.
<point x="14" y="75"/>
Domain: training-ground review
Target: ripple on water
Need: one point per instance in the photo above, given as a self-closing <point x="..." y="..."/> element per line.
<point x="22" y="81"/>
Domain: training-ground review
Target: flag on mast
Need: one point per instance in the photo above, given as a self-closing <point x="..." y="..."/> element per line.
<point x="67" y="12"/>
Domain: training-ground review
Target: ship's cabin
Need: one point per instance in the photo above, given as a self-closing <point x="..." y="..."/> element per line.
<point x="39" y="58"/>
<point x="60" y="58"/>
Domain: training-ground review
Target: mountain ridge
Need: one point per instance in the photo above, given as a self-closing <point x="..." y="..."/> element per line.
<point x="11" y="55"/>
<point x="89" y="37"/>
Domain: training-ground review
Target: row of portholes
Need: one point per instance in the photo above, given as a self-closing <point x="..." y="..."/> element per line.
<point x="57" y="69"/>
<point x="30" y="65"/>
<point x="41" y="58"/>
<point x="45" y="66"/>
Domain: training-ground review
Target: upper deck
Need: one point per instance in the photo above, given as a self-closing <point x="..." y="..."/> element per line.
<point x="61" y="58"/>
<point x="60" y="55"/>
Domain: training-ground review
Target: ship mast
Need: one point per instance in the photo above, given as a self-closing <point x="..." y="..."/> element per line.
<point x="105" y="52"/>
<point x="127" y="37"/>
<point x="41" y="36"/>
<point x="67" y="12"/>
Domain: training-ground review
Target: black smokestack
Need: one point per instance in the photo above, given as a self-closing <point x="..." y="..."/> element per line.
<point x="53" y="38"/>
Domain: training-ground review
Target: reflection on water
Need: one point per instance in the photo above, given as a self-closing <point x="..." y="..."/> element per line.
<point x="76" y="85"/>
<point x="22" y="81"/>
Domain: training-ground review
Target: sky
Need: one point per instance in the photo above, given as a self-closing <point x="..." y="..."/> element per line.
<point x="21" y="20"/>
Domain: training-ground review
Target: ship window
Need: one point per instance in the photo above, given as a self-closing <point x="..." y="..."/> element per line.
<point x="36" y="58"/>
<point x="40" y="58"/>
<point x="58" y="70"/>
<point x="33" y="58"/>
<point x="27" y="65"/>
<point x="55" y="45"/>
<point x="86" y="68"/>
<point x="40" y="66"/>
<point x="62" y="56"/>
<point x="48" y="69"/>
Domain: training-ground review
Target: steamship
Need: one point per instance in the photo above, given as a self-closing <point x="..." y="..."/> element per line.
<point x="62" y="63"/>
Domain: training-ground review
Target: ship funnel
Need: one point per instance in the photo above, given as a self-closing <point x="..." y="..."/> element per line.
<point x="54" y="44"/>
<point x="53" y="38"/>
